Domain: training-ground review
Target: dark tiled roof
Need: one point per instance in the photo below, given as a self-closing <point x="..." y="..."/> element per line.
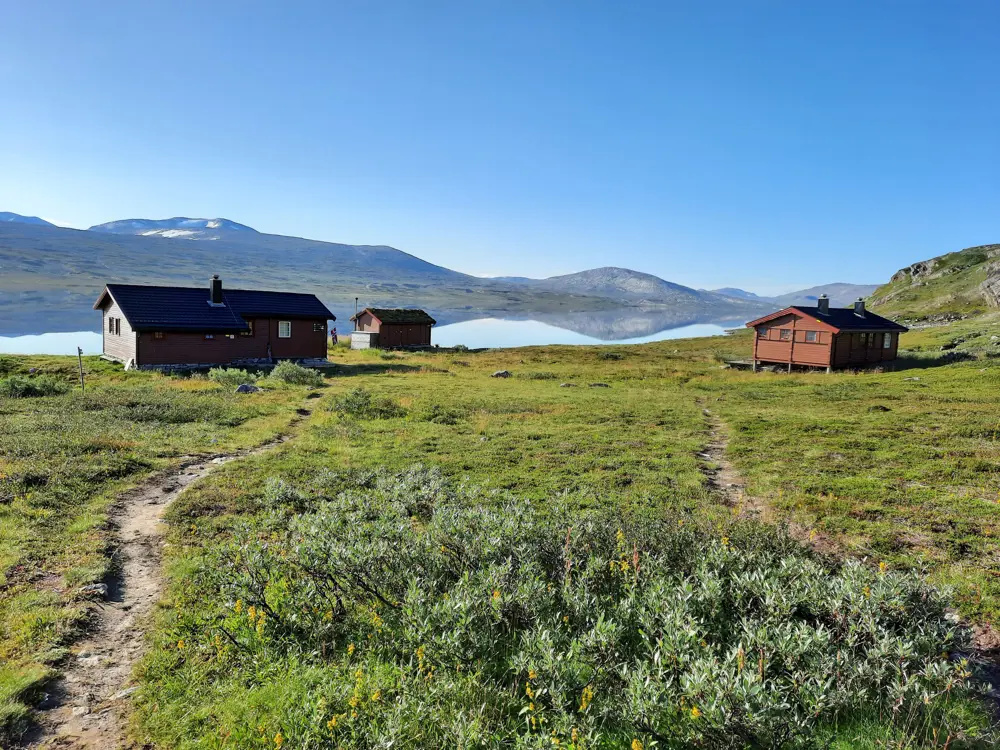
<point x="398" y="315"/>
<point x="846" y="319"/>
<point x="179" y="308"/>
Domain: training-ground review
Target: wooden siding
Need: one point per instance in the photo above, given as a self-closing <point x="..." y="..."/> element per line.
<point x="394" y="334"/>
<point x="120" y="346"/>
<point x="795" y="349"/>
<point x="830" y="349"/>
<point x="176" y="348"/>
<point x="850" y="351"/>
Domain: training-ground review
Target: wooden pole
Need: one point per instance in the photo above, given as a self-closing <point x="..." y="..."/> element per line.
<point x="79" y="358"/>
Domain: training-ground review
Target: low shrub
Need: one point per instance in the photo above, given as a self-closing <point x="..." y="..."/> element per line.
<point x="610" y="355"/>
<point x="359" y="403"/>
<point x="439" y="414"/>
<point x="295" y="374"/>
<point x="231" y="377"/>
<point x="22" y="386"/>
<point x="407" y="612"/>
<point x="460" y="348"/>
<point x="538" y="375"/>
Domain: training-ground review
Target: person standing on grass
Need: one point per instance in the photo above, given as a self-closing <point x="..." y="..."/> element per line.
<point x="333" y="336"/>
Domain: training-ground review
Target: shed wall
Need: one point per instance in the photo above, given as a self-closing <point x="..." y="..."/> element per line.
<point x="121" y="346"/>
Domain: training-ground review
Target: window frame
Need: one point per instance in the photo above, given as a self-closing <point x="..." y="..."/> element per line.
<point x="887" y="340"/>
<point x="248" y="334"/>
<point x="118" y="326"/>
<point x="285" y="323"/>
<point x="764" y="333"/>
<point x="814" y="339"/>
<point x="209" y="336"/>
<point x="159" y="335"/>
<point x="111" y="325"/>
<point x="784" y="334"/>
<point x="319" y="327"/>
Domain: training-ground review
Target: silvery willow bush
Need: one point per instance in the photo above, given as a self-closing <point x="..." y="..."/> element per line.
<point x="413" y="613"/>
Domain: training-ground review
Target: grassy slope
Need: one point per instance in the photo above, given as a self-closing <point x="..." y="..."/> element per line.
<point x="62" y="461"/>
<point x="951" y="287"/>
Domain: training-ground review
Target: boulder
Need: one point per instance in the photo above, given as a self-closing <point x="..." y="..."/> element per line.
<point x="248" y="388"/>
<point x="599" y="385"/>
<point x="99" y="590"/>
<point x="878" y="407"/>
<point x="567" y="385"/>
<point x="501" y="374"/>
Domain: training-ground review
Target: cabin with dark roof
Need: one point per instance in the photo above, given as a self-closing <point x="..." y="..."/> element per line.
<point x="825" y="337"/>
<point x="164" y="326"/>
<point x="387" y="328"/>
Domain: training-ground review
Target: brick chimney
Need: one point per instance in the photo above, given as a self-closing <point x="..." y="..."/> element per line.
<point x="823" y="305"/>
<point x="859" y="307"/>
<point x="215" y="289"/>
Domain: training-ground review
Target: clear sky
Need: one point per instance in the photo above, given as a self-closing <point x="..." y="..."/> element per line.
<point x="768" y="145"/>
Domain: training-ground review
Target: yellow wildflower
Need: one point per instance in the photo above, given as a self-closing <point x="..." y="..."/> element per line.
<point x="278" y="740"/>
<point x="353" y="702"/>
<point x="574" y="735"/>
<point x="332" y="723"/>
<point x="376" y="696"/>
<point x="496" y="594"/>
<point x="812" y="535"/>
<point x="238" y="606"/>
<point x="586" y="697"/>
<point x="695" y="713"/>
<point x="636" y="745"/>
<point x="350" y="648"/>
<point x="180" y="643"/>
<point x="531" y="706"/>
<point x="532" y="674"/>
<point x="882" y="567"/>
<point x="528" y="691"/>
<point x="725" y="541"/>
<point x="866" y="591"/>
<point x="252" y="612"/>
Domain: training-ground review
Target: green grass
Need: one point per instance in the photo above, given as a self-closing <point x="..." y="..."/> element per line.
<point x="914" y="486"/>
<point x="63" y="459"/>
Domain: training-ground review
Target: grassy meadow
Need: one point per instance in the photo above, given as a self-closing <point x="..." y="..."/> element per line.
<point x="443" y="558"/>
<point x="63" y="459"/>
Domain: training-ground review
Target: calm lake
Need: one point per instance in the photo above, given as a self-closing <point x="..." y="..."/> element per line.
<point x="481" y="333"/>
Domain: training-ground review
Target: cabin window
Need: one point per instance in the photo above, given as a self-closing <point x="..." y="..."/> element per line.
<point x="319" y="327"/>
<point x="248" y="332"/>
<point x="887" y="341"/>
<point x="812" y="336"/>
<point x="863" y="340"/>
<point x="231" y="336"/>
<point x="118" y="326"/>
<point x="209" y="336"/>
<point x="157" y="334"/>
<point x="763" y="332"/>
<point x="785" y="334"/>
<point x="111" y="325"/>
<point x="284" y="329"/>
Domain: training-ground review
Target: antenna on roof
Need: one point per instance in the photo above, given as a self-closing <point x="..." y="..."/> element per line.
<point x="355" y="313"/>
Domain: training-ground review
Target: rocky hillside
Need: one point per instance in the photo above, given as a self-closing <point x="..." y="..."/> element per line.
<point x="948" y="287"/>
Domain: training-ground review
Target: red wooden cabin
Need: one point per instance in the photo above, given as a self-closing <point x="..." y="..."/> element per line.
<point x="825" y="337"/>
<point x="395" y="327"/>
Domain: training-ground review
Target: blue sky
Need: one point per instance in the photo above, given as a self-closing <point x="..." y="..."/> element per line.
<point x="768" y="145"/>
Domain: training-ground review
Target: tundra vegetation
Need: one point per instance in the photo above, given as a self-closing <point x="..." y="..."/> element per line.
<point x="443" y="558"/>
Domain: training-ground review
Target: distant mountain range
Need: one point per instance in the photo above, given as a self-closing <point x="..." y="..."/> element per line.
<point x="49" y="277"/>
<point x="840" y="295"/>
<point x="18" y="219"/>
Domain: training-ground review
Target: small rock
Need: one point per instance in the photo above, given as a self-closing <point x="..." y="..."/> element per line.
<point x="994" y="338"/>
<point x="32" y="370"/>
<point x="501" y="374"/>
<point x="878" y="407"/>
<point x="567" y="385"/>
<point x="911" y="378"/>
<point x="951" y="617"/>
<point x="81" y="710"/>
<point x="482" y="439"/>
<point x="599" y="385"/>
<point x="124" y="693"/>
<point x="248" y="388"/>
<point x="99" y="590"/>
